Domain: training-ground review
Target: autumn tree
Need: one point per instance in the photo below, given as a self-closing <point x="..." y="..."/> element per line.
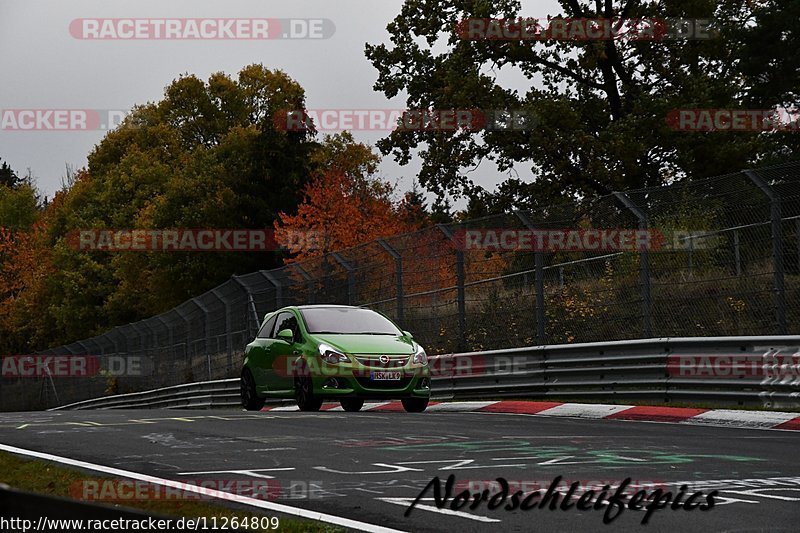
<point x="599" y="106"/>
<point x="207" y="155"/>
<point x="345" y="204"/>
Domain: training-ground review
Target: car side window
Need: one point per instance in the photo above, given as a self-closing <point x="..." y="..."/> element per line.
<point x="266" y="330"/>
<point x="287" y="321"/>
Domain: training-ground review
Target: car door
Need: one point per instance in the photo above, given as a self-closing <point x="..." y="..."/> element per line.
<point x="283" y="353"/>
<point x="258" y="354"/>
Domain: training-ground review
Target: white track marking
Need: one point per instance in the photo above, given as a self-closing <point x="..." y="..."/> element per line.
<point x="368" y="406"/>
<point x="222" y="495"/>
<point x="738" y="418"/>
<point x="459" y="406"/>
<point x="285" y="408"/>
<point x="760" y="493"/>
<point x="247" y="472"/>
<point x="584" y="410"/>
<point x="391" y="469"/>
<point x="405" y="502"/>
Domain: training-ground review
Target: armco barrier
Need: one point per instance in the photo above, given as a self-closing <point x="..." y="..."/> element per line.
<point x="762" y="371"/>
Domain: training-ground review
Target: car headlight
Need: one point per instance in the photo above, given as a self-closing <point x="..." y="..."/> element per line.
<point x="331" y="355"/>
<point x="420" y="357"/>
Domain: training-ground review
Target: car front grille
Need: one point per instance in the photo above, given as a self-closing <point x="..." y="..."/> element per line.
<point x="373" y="361"/>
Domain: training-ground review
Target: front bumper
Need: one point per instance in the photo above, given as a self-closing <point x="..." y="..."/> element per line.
<point x="355" y="380"/>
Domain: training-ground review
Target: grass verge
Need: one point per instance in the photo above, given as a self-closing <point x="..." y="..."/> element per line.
<point x="49" y="479"/>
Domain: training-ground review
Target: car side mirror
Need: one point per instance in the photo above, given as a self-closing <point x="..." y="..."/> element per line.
<point x="286" y="335"/>
<point x="407" y="334"/>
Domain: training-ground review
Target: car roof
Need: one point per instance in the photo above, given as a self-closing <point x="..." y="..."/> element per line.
<point x="327" y="306"/>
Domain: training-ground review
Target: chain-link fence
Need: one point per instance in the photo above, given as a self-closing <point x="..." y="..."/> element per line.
<point x="723" y="259"/>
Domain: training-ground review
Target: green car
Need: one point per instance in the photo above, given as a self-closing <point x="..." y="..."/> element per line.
<point x="334" y="352"/>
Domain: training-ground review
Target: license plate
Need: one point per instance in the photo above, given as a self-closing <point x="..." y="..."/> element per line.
<point x="385" y="376"/>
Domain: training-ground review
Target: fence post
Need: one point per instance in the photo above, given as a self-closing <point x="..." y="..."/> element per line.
<point x="115" y="340"/>
<point x="312" y="295"/>
<point x="398" y="268"/>
<point x="797" y="237"/>
<point x="644" y="265"/>
<point x="142" y="337"/>
<point x="777" y="248"/>
<point x="278" y="288"/>
<point x="164" y="358"/>
<point x="460" y="291"/>
<point x="186" y="346"/>
<point x="737" y="254"/>
<point x="228" y="327"/>
<point x="207" y="330"/>
<point x="351" y="281"/>
<point x="538" y="281"/>
<point x="250" y="305"/>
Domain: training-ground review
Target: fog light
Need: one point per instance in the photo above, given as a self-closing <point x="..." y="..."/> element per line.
<point x="424" y="383"/>
<point x="330" y="383"/>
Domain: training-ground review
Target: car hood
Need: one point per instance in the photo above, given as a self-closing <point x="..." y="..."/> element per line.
<point x="368" y="344"/>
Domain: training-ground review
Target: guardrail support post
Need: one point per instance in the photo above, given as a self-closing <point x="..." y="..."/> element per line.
<point x="398" y="268"/>
<point x="777" y="248"/>
<point x="538" y="282"/>
<point x="351" y="280"/>
<point x="461" y="299"/>
<point x="644" y="265"/>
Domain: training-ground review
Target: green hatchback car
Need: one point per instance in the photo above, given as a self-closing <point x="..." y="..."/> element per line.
<point x="334" y="352"/>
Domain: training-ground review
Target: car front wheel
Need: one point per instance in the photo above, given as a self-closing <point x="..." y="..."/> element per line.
<point x="352" y="404"/>
<point x="415" y="405"/>
<point x="304" y="394"/>
<point x="250" y="400"/>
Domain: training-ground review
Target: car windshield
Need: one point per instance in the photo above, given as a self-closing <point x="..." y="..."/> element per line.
<point x="348" y="321"/>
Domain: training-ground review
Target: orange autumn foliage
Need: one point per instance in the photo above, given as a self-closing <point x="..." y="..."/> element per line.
<point x="24" y="268"/>
<point x="341" y="211"/>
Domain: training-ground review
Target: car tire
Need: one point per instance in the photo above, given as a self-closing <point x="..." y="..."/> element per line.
<point x="352" y="404"/>
<point x="415" y="405"/>
<point x="250" y="399"/>
<point x="304" y="394"/>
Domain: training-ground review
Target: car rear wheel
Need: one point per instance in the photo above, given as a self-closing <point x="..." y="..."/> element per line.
<point x="415" y="405"/>
<point x="352" y="404"/>
<point x="304" y="395"/>
<point x="250" y="400"/>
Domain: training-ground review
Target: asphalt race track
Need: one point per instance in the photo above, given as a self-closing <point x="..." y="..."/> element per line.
<point x="368" y="466"/>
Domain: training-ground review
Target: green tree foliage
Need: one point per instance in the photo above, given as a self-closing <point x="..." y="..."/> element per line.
<point x="19" y="200"/>
<point x="600" y="106"/>
<point x="8" y="178"/>
<point x="208" y="155"/>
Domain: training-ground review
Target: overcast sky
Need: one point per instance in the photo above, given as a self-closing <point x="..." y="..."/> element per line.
<point x="43" y="67"/>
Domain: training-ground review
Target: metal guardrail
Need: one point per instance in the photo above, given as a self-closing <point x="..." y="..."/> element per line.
<point x="761" y="371"/>
<point x="204" y="394"/>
